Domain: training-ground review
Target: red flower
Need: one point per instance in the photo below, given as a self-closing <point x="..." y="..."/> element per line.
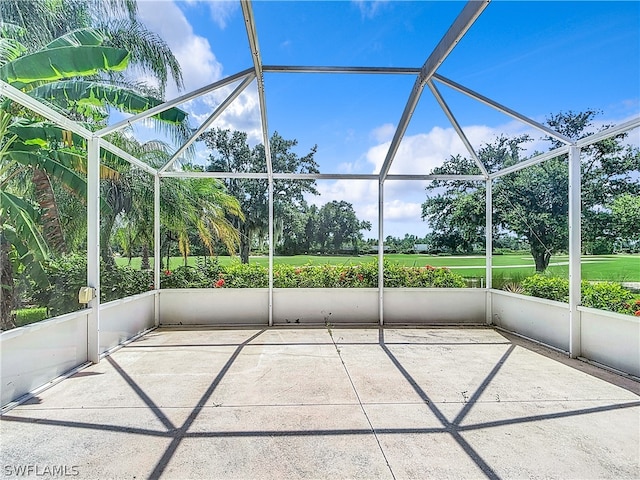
<point x="637" y="302"/>
<point x="360" y="277"/>
<point x="637" y="314"/>
<point x="219" y="283"/>
<point x="429" y="267"/>
<point x="298" y="271"/>
<point x="167" y="272"/>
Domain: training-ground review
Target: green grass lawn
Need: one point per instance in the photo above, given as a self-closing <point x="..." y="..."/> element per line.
<point x="616" y="268"/>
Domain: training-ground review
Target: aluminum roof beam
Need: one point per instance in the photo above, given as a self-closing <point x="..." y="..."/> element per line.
<point x="501" y="108"/>
<point x="532" y="161"/>
<point x="175" y="102"/>
<point x="247" y="12"/>
<point x="457" y="128"/>
<point x="583" y="142"/>
<point x="318" y="176"/>
<point x="609" y="132"/>
<point x="44" y="110"/>
<point x="360" y="70"/>
<point x="64" y="122"/>
<point x="207" y="123"/>
<point x="479" y="178"/>
<point x="456" y="31"/>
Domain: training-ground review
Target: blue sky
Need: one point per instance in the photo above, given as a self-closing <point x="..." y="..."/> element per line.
<point x="537" y="58"/>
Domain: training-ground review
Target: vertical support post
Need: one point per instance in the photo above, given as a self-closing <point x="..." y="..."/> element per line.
<point x="93" y="247"/>
<point x="156" y="247"/>
<point x="271" y="251"/>
<point x="575" y="247"/>
<point x="381" y="252"/>
<point x="489" y="249"/>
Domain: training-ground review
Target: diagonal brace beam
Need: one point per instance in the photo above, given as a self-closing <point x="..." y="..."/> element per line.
<point x="216" y="113"/>
<point x="172" y="103"/>
<point x="460" y="26"/>
<point x="456" y="126"/>
<point x="503" y="109"/>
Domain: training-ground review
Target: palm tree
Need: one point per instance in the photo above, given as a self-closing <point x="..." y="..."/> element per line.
<point x="43" y="45"/>
<point x="203" y="206"/>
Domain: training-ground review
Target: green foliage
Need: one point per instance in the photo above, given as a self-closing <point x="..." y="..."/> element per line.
<point x="242" y="276"/>
<point x="626" y="216"/>
<point x="552" y="288"/>
<point x="25" y="316"/>
<point x="533" y="202"/>
<point x="230" y="152"/>
<point x="69" y="62"/>
<point x="309" y="276"/>
<point x="608" y="296"/>
<point x="601" y="295"/>
<point x="84" y="96"/>
<point x="68" y="273"/>
<point x="427" y="276"/>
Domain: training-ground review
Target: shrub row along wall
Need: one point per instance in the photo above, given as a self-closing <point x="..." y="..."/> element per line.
<point x="601" y="295"/>
<point x="69" y="274"/>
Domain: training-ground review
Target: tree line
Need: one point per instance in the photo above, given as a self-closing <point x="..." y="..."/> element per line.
<point x="99" y="49"/>
<point x="533" y="203"/>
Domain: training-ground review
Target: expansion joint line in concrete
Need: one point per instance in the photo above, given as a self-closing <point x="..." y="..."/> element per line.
<point x="373" y="430"/>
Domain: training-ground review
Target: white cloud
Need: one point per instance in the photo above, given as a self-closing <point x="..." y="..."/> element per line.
<point x="418" y="153"/>
<point x="200" y="67"/>
<point x="243" y="114"/>
<point x="222" y="10"/>
<point x="199" y="64"/>
<point x="383" y="133"/>
<point x="400" y="211"/>
<point x="370" y="8"/>
<point x="422" y="152"/>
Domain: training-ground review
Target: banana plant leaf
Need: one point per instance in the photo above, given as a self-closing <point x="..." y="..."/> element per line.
<point x="31" y="261"/>
<point x="78" y="162"/>
<point x="24" y="219"/>
<point x="68" y="177"/>
<point x="19" y="226"/>
<point x="63" y="62"/>
<point x="43" y="134"/>
<point x="76" y="93"/>
<point x="77" y="38"/>
<point x="10" y="50"/>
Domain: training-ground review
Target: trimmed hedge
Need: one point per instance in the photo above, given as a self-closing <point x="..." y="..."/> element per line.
<point x="602" y="295"/>
<point x="25" y="316"/>
<point x="309" y="276"/>
<point x="67" y="274"/>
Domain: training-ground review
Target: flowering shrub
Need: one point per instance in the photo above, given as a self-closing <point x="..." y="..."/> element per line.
<point x="310" y="276"/>
<point x="609" y="296"/>
<point x="602" y="295"/>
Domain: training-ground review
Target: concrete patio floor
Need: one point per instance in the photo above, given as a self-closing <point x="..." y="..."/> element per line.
<point x="329" y="403"/>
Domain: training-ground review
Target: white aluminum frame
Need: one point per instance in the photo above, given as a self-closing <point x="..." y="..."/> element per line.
<point x="426" y="75"/>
